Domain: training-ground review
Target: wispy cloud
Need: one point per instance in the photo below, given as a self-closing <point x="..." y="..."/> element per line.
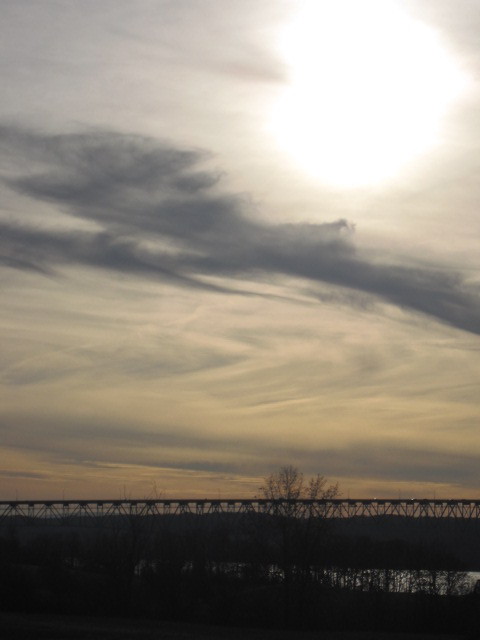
<point x="98" y="443"/>
<point x="154" y="212"/>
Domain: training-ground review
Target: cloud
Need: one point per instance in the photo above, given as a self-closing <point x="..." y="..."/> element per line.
<point x="7" y="473"/>
<point x="99" y="443"/>
<point x="154" y="212"/>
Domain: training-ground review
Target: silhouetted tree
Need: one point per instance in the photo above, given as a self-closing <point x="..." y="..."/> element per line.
<point x="298" y="539"/>
<point x="290" y="484"/>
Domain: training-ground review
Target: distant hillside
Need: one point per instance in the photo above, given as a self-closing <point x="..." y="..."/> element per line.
<point x="455" y="537"/>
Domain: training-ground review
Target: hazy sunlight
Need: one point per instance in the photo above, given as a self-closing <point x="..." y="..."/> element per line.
<point x="369" y="87"/>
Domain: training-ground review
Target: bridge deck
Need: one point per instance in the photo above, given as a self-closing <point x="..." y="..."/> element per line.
<point x="62" y="510"/>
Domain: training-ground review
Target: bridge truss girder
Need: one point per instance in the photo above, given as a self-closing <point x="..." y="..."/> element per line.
<point x="63" y="511"/>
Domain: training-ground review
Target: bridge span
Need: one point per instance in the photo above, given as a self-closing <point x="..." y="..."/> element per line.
<point x="64" y="511"/>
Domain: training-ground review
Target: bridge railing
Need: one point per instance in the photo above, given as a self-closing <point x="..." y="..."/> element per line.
<point x="64" y="510"/>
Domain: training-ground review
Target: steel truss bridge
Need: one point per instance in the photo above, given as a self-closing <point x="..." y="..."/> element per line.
<point x="96" y="511"/>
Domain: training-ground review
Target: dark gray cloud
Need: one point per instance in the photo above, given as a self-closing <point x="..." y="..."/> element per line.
<point x="158" y="214"/>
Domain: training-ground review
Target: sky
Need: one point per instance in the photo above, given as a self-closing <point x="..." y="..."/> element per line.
<point x="236" y="236"/>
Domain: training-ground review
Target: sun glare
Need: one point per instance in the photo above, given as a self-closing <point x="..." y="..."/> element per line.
<point x="369" y="87"/>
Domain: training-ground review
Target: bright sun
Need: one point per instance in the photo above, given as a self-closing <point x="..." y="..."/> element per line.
<point x="368" y="89"/>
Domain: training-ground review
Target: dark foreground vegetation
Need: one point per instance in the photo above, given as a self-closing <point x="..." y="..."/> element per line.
<point x="57" y="627"/>
<point x="270" y="572"/>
